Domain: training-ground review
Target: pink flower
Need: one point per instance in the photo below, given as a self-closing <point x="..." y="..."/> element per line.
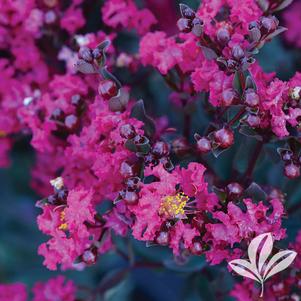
<point x="210" y="79"/>
<point x="69" y="227"/>
<point x="173" y="196"/>
<point x="159" y="51"/>
<point x="292" y="19"/>
<point x="236" y="225"/>
<point x="13" y="292"/>
<point x="72" y="20"/>
<point x="126" y="14"/>
<point x="54" y="289"/>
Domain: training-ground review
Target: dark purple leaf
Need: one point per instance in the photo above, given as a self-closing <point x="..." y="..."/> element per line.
<point x="284" y="4"/>
<point x="278" y="31"/>
<point x="263" y="4"/>
<point x="138" y="112"/>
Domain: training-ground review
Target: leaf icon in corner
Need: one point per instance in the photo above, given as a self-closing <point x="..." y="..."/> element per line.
<point x="259" y="268"/>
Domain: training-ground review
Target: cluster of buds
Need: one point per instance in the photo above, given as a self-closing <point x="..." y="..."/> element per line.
<point x="146" y="154"/>
<point x="263" y="29"/>
<point x="292" y="163"/>
<point x="222" y="138"/>
<point x="159" y="153"/>
<point x="90" y="55"/>
<point x="94" y="61"/>
<point x="68" y="123"/>
<point x="189" y="21"/>
<point x="130" y="192"/>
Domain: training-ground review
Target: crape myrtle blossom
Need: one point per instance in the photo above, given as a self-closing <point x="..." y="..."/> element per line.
<point x="96" y="144"/>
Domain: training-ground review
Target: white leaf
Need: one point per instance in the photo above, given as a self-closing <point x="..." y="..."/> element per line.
<point x="265" y="252"/>
<point x="253" y="249"/>
<point x="289" y="257"/>
<point x="245" y="269"/>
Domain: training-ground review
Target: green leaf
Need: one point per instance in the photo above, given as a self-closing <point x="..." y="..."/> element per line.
<point x="138" y="112"/>
<point x="208" y="53"/>
<point x="255" y="192"/>
<point x="237" y="83"/>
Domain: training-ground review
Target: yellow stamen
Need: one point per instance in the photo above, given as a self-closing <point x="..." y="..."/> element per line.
<point x="2" y="134"/>
<point x="173" y="206"/>
<point x="64" y="225"/>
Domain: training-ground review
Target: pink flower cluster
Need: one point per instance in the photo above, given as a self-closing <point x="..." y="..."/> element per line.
<point x="54" y="289"/>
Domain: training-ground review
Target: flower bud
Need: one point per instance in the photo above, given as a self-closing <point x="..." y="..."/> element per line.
<point x="127" y="131"/>
<point x="251" y="98"/>
<point x="237" y="53"/>
<point x="150" y="159"/>
<point x="287" y="155"/>
<point x="167" y="164"/>
<point x="196" y="248"/>
<point x="232" y="65"/>
<point x="97" y="53"/>
<point x="130" y="197"/>
<point x="223" y="36"/>
<point x="107" y="89"/>
<point x="197" y="27"/>
<point x="269" y="24"/>
<point x="89" y="257"/>
<point x="180" y="146"/>
<point x="184" y="25"/>
<point x="160" y="149"/>
<point x="76" y="100"/>
<point x="253" y="121"/>
<point x="58" y="115"/>
<point x="132" y="183"/>
<point x="292" y="171"/>
<point x="128" y="169"/>
<point x="85" y="53"/>
<point x="234" y="191"/>
<point x="224" y="137"/>
<point x="229" y="96"/>
<point x="71" y="123"/>
<point x="203" y="145"/>
<point x="163" y="238"/>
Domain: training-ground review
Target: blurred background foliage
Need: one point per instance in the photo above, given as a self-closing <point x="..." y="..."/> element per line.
<point x="161" y="279"/>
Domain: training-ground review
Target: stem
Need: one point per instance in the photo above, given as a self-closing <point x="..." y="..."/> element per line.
<point x="186" y="130"/>
<point x="236" y="117"/>
<point x="252" y="162"/>
<point x="262" y="289"/>
<point x="294" y="208"/>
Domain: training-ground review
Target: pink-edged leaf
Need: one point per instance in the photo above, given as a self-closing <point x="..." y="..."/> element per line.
<point x="279" y="262"/>
<point x="253" y="249"/>
<point x="245" y="269"/>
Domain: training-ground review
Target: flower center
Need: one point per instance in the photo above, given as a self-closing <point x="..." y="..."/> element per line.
<point x="63" y="226"/>
<point x="172" y="206"/>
